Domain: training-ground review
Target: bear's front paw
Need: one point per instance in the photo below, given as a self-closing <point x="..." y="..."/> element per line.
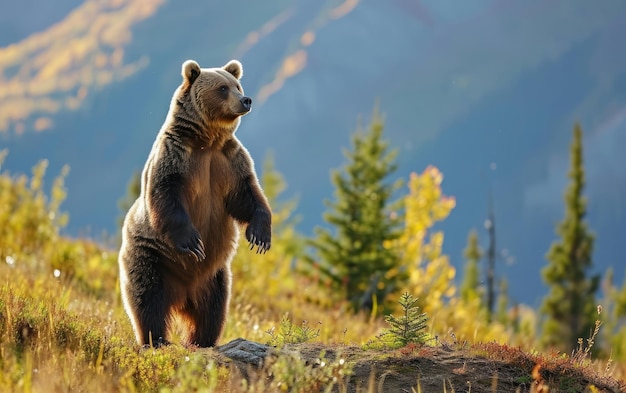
<point x="189" y="242"/>
<point x="259" y="233"/>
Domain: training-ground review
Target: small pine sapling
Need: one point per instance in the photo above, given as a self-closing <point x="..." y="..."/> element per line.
<point x="408" y="328"/>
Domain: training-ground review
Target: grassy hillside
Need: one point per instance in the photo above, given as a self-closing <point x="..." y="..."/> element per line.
<point x="88" y="83"/>
<point x="63" y="328"/>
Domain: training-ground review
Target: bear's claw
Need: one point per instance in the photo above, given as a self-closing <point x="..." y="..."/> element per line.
<point x="192" y="244"/>
<point x="261" y="238"/>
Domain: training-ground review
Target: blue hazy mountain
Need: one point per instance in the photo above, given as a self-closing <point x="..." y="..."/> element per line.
<point x="487" y="91"/>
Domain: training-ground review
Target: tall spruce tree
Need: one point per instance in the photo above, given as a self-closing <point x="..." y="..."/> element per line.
<point x="490" y="226"/>
<point x="502" y="302"/>
<point x="470" y="287"/>
<point x="353" y="255"/>
<point x="570" y="305"/>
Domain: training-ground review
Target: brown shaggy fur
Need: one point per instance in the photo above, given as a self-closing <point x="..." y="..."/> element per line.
<point x="198" y="186"/>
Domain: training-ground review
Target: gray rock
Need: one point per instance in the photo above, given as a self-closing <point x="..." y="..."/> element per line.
<point x="244" y="351"/>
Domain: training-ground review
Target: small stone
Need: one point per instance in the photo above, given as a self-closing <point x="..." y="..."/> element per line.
<point x="245" y="351"/>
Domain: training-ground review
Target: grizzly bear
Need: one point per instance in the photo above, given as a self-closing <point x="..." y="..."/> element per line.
<point x="198" y="187"/>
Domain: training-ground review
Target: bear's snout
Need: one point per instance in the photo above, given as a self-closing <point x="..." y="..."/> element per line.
<point x="246" y="102"/>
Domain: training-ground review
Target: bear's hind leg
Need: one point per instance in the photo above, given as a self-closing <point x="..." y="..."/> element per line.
<point x="153" y="321"/>
<point x="146" y="302"/>
<point x="206" y="315"/>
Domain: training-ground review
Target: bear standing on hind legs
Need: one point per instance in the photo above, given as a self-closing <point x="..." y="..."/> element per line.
<point x="197" y="187"/>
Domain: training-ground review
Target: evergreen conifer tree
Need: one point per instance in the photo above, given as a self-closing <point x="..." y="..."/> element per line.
<point x="353" y="255"/>
<point x="410" y="327"/>
<point x="470" y="287"/>
<point x="490" y="226"/>
<point x="570" y="306"/>
<point x="501" y="314"/>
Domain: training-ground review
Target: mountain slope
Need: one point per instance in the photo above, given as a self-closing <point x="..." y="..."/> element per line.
<point x="462" y="87"/>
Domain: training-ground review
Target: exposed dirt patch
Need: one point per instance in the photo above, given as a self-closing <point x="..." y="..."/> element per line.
<point x="483" y="368"/>
<point x="431" y="369"/>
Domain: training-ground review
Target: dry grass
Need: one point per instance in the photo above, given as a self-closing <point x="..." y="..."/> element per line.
<point x="58" y="336"/>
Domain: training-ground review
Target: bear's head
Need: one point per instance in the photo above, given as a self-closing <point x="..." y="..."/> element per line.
<point x="216" y="93"/>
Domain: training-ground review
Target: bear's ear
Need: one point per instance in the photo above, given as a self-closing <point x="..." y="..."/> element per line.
<point x="234" y="68"/>
<point x="190" y="71"/>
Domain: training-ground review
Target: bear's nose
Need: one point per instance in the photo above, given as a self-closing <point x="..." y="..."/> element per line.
<point x="246" y="102"/>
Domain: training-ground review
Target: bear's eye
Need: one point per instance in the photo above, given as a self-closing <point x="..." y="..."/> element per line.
<point x="223" y="88"/>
